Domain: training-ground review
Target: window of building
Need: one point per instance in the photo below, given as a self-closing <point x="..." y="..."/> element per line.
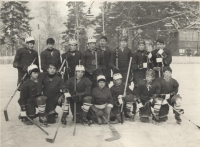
<point x="182" y="51"/>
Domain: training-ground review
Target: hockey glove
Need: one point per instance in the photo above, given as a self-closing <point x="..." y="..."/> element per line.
<point x="156" y="68"/>
<point x="76" y="97"/>
<point x="120" y="99"/>
<point x="149" y="55"/>
<point x="25" y="67"/>
<point x="68" y="70"/>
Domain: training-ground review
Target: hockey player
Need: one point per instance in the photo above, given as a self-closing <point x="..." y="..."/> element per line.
<point x="129" y="99"/>
<point x="106" y="51"/>
<point x="120" y="59"/>
<point x="160" y="57"/>
<point x="93" y="61"/>
<point x="148" y="89"/>
<point x="82" y="95"/>
<point x="140" y="64"/>
<point x="169" y="90"/>
<point x="73" y="56"/>
<point x="50" y="55"/>
<point x="102" y="100"/>
<point x="24" y="57"/>
<point x="53" y="88"/>
<point x="31" y="97"/>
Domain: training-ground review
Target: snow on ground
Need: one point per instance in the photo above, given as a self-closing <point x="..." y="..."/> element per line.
<point x="16" y="134"/>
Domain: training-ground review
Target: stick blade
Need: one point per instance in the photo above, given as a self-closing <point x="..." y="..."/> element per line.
<point x="112" y="138"/>
<point x="50" y="140"/>
<point x="6" y="115"/>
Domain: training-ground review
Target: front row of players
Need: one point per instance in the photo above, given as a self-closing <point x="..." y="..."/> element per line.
<point x="47" y="90"/>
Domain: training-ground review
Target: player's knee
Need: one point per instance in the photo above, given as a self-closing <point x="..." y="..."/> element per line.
<point x="87" y="99"/>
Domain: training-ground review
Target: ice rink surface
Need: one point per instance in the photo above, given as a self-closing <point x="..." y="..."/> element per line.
<point x="133" y="134"/>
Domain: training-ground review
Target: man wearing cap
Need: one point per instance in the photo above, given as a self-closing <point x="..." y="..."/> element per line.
<point x="102" y="100"/>
<point x="50" y="55"/>
<point x="24" y="57"/>
<point x="53" y="89"/>
<point x="169" y="90"/>
<point x="160" y="57"/>
<point x="120" y="58"/>
<point x="147" y="92"/>
<point x="140" y="64"/>
<point x="119" y="98"/>
<point x="93" y="61"/>
<point x="73" y="57"/>
<point x="82" y="94"/>
<point x="31" y="97"/>
<point x="106" y="51"/>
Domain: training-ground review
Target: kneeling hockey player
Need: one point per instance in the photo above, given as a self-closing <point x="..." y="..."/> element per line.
<point x="80" y="90"/>
<point x="147" y="88"/>
<point x="169" y="90"/>
<point x="102" y="100"/>
<point x="117" y="91"/>
<point x="31" y="97"/>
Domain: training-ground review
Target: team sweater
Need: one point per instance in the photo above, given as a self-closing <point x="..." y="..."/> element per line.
<point x="101" y="96"/>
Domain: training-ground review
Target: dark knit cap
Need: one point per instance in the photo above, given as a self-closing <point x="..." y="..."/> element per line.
<point x="50" y="41"/>
<point x="160" y="41"/>
<point x="167" y="68"/>
<point x="104" y="37"/>
<point x="123" y="38"/>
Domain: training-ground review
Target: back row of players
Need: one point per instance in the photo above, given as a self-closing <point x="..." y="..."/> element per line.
<point x="89" y="76"/>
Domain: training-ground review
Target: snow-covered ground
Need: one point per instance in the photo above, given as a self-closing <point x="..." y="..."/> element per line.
<point x="133" y="134"/>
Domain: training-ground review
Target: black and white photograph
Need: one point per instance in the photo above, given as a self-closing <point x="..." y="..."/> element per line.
<point x="100" y="73"/>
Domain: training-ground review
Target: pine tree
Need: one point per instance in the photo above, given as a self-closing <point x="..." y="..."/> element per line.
<point x="15" y="19"/>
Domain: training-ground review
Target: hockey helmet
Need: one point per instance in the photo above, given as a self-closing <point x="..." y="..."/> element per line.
<point x="150" y="73"/>
<point x="32" y="68"/>
<point x="29" y="39"/>
<point x="117" y="76"/>
<point x="73" y="41"/>
<point x="80" y="68"/>
<point x="92" y="40"/>
<point x="101" y="78"/>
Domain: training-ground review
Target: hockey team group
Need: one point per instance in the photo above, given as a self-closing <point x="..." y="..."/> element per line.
<point x="81" y="81"/>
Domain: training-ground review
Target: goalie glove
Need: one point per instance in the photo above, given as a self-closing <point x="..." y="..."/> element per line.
<point x="120" y="99"/>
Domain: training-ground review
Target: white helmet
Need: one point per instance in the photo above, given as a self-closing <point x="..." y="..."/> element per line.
<point x="32" y="67"/>
<point x="101" y="78"/>
<point x="73" y="41"/>
<point x="117" y="76"/>
<point x="90" y="40"/>
<point x="80" y="68"/>
<point x="29" y="38"/>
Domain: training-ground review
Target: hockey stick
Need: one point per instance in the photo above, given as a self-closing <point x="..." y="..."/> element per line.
<point x="37" y="125"/>
<point x="125" y="88"/>
<point x="39" y="59"/>
<point x="183" y="115"/>
<point x="74" y="107"/>
<point x="21" y="82"/>
<point x="96" y="59"/>
<point x="62" y="65"/>
<point x="53" y="140"/>
<point x="116" y="134"/>
<point x="67" y="67"/>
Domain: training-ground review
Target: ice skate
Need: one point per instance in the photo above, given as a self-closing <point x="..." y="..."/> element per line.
<point x="43" y="121"/>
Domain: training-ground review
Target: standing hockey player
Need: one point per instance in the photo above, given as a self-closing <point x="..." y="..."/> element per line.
<point x="160" y="57"/>
<point x="50" y="55"/>
<point x="106" y="51"/>
<point x="169" y="90"/>
<point x="120" y="59"/>
<point x="93" y="61"/>
<point x="102" y="100"/>
<point x="147" y="89"/>
<point x="82" y="95"/>
<point x="24" y="57"/>
<point x="31" y="97"/>
<point x="117" y="91"/>
<point x="53" y="88"/>
<point x="140" y="64"/>
<point x="73" y="56"/>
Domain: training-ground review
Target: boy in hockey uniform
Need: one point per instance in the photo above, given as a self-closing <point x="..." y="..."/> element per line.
<point x="129" y="99"/>
<point x="120" y="58"/>
<point x="148" y="89"/>
<point x="169" y="90"/>
<point x="102" y="100"/>
<point x="160" y="57"/>
<point x="106" y="51"/>
<point x="73" y="56"/>
<point x="82" y="95"/>
<point x="53" y="88"/>
<point x="31" y="97"/>
<point x="140" y="64"/>
<point x="93" y="61"/>
<point x="24" y="57"/>
<point x="50" y="55"/>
